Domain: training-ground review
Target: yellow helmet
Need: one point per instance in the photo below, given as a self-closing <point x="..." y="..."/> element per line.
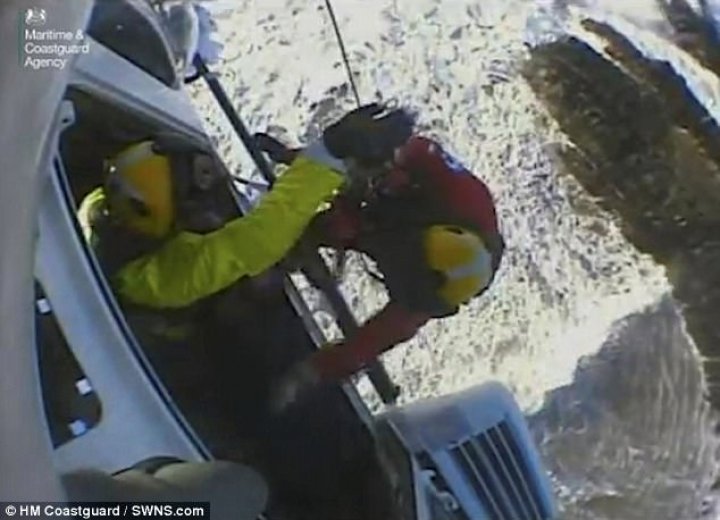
<point x="463" y="260"/>
<point x="139" y="189"/>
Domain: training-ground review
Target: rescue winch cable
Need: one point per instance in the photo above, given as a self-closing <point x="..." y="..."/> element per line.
<point x="222" y="98"/>
<point x="341" y="44"/>
<point x="341" y="254"/>
<point x="341" y="257"/>
<point x="379" y="377"/>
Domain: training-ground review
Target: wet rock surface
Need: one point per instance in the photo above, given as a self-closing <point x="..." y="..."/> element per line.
<point x="649" y="152"/>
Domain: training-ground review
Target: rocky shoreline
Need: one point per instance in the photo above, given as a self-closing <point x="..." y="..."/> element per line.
<point x="649" y="152"/>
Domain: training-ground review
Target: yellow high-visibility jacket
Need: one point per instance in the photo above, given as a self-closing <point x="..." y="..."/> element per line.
<point x="190" y="266"/>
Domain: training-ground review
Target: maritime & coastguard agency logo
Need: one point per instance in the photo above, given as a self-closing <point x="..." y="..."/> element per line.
<point x="42" y="47"/>
<point x="35" y="17"/>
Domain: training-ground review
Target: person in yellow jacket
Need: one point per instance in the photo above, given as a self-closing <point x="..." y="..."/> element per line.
<point x="154" y="190"/>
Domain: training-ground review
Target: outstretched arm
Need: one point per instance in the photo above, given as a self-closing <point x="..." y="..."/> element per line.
<point x="191" y="266"/>
<point x="392" y="325"/>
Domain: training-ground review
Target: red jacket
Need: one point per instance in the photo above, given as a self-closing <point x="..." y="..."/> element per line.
<point x="444" y="187"/>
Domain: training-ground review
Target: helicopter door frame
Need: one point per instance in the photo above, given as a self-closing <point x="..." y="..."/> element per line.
<point x="139" y="419"/>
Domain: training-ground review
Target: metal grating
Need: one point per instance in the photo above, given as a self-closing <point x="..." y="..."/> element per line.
<point x="500" y="476"/>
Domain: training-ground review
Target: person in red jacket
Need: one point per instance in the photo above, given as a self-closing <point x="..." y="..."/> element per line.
<point x="431" y="227"/>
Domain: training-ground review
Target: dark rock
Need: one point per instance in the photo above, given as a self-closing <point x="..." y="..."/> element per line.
<point x="647" y="150"/>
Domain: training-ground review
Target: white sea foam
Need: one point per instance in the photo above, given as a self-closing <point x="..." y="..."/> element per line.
<point x="569" y="280"/>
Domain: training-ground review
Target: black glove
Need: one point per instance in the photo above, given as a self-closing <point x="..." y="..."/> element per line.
<point x="369" y="134"/>
<point x="276" y="150"/>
